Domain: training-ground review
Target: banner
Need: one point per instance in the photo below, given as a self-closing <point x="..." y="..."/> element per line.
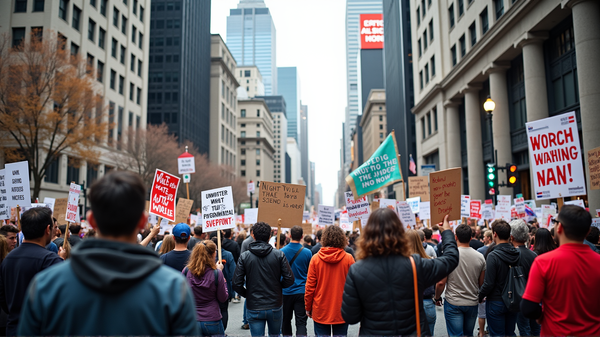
<point x="357" y="209"/>
<point x="73" y="203"/>
<point x="217" y="209"/>
<point x="381" y="170"/>
<point x="281" y="201"/>
<point x="326" y="215"/>
<point x="17" y="183"/>
<point x="163" y="194"/>
<point x="555" y="157"/>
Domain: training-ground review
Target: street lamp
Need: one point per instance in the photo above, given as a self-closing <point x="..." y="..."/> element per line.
<point x="489" y="107"/>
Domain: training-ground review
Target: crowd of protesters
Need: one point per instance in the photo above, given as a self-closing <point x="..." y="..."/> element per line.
<point x="122" y="278"/>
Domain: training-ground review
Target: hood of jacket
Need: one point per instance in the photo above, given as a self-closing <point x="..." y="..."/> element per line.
<point x="332" y="254"/>
<point x="507" y="253"/>
<point x="260" y="248"/>
<point x="204" y="281"/>
<point x="112" y="266"/>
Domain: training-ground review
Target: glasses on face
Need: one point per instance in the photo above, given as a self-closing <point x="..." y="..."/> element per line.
<point x="554" y="222"/>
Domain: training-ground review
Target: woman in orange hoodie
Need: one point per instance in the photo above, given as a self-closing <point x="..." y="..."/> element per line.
<point x="325" y="284"/>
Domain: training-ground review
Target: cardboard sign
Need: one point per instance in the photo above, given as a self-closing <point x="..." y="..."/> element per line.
<point x="445" y="194"/>
<point x="577" y="202"/>
<point x="596" y="222"/>
<point x="465" y="202"/>
<point x="357" y="209"/>
<point x="17" y="183"/>
<point x="345" y="223"/>
<point x="184" y="206"/>
<point x="475" y="209"/>
<point x="555" y="157"/>
<point x="60" y="210"/>
<point x="594" y="167"/>
<point x="418" y="187"/>
<point x="424" y="212"/>
<point x="406" y="215"/>
<point x="487" y="212"/>
<point x="414" y="204"/>
<point x="186" y="163"/>
<point x="250" y="216"/>
<point x="217" y="209"/>
<point x="307" y="228"/>
<point x="73" y="203"/>
<point x="326" y="215"/>
<point x="163" y="194"/>
<point x="50" y="203"/>
<point x="281" y="201"/>
<point x="4" y="208"/>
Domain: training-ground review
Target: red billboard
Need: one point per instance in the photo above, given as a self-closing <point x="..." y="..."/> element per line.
<point x="371" y="31"/>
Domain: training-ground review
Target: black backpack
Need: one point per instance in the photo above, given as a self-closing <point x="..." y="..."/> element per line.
<point x="514" y="287"/>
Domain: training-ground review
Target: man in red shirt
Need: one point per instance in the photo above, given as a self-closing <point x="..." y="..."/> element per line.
<point x="562" y="281"/>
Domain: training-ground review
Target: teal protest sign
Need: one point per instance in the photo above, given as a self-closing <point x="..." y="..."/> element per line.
<point x="381" y="170"/>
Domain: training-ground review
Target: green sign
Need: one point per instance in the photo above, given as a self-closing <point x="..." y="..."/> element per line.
<point x="381" y="170"/>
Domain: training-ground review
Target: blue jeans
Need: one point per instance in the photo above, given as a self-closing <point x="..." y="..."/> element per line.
<point x="211" y="328"/>
<point x="501" y="321"/>
<point x="245" y="319"/>
<point x="527" y="327"/>
<point x="327" y="329"/>
<point x="429" y="307"/>
<point x="460" y="320"/>
<point x="258" y="318"/>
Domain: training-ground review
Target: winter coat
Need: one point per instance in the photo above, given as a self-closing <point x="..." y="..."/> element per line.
<point x="496" y="271"/>
<point x="207" y="294"/>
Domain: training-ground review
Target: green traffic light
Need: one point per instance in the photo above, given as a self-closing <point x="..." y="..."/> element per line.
<point x="491" y="183"/>
<point x="491" y="176"/>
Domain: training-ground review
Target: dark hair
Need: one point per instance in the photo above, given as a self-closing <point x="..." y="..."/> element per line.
<point x="334" y="236"/>
<point x="594" y="235"/>
<point x="428" y="233"/>
<point x="383" y="235"/>
<point x="463" y="233"/>
<point x="198" y="230"/>
<point x="576" y="222"/>
<point x="282" y="239"/>
<point x="181" y="240"/>
<point x="35" y="221"/>
<point x="544" y="242"/>
<point x="502" y="228"/>
<point x="118" y="202"/>
<point x="262" y="231"/>
<point x="63" y="229"/>
<point x="473" y="231"/>
<point x="308" y="239"/>
<point x="319" y="234"/>
<point x="4" y="230"/>
<point x="296" y="233"/>
<point x="227" y="233"/>
<point x="75" y="229"/>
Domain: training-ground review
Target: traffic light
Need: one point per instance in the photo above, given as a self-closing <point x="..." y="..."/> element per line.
<point x="491" y="179"/>
<point x="512" y="175"/>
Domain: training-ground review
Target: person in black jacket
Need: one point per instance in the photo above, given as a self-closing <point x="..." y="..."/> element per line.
<point x="266" y="272"/>
<point x="379" y="290"/>
<point x="230" y="245"/>
<point x="501" y="321"/>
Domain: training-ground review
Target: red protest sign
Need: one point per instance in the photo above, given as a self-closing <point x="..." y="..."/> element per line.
<point x="163" y="195"/>
<point x="476" y="209"/>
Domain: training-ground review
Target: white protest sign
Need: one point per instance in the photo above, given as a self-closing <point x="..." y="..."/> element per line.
<point x="555" y="157"/>
<point x="487" y="212"/>
<point x="424" y="210"/>
<point x="165" y="227"/>
<point x="520" y="206"/>
<point x="50" y="203"/>
<point x="596" y="222"/>
<point x="577" y="202"/>
<point x="186" y="163"/>
<point x="414" y="204"/>
<point x="217" y="209"/>
<point x="326" y="215"/>
<point x="17" y="182"/>
<point x="406" y="215"/>
<point x="345" y="223"/>
<point x="251" y="187"/>
<point x="503" y="207"/>
<point x="153" y="219"/>
<point x="73" y="203"/>
<point x="465" y="206"/>
<point x="250" y="216"/>
<point x="357" y="209"/>
<point x="538" y="212"/>
<point x="547" y="210"/>
<point x="193" y="219"/>
<point x="388" y="203"/>
<point x="4" y="208"/>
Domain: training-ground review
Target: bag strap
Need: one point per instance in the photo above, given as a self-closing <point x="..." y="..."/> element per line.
<point x="295" y="256"/>
<point x="416" y="289"/>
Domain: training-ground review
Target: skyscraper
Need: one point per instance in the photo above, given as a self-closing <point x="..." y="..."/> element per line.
<point x="277" y="107"/>
<point x="306" y="164"/>
<point x="251" y="37"/>
<point x="288" y="86"/>
<point x="179" y="79"/>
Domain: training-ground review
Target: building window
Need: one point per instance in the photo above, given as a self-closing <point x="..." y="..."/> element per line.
<point x="113" y="79"/>
<point x="76" y="17"/>
<point x="562" y="70"/>
<point x="133" y="34"/>
<point x="124" y="25"/>
<point x="453" y="53"/>
<point x="132" y="63"/>
<point x="243" y="173"/>
<point x="461" y="7"/>
<point x="463" y="46"/>
<point x="141" y="14"/>
<point x="18" y="35"/>
<point x="258" y="152"/>
<point x="451" y="15"/>
<point x="428" y="123"/>
<point x="426" y="73"/>
<point x="74" y="49"/>
<point x="425" y="40"/>
<point x="258" y="134"/>
<point x="419" y="43"/>
<point x="258" y="113"/>
<point x="101" y="38"/>
<point x="52" y="172"/>
<point x="418" y="16"/>
<point x="38" y="5"/>
<point x="72" y="171"/>
<point x="135" y="5"/>
<point x="91" y="174"/>
<point x="131" y="91"/>
<point x="139" y="96"/>
<point x="139" y="72"/>
<point x="484" y="21"/>
<point x="421" y="79"/>
<point x="116" y="15"/>
<point x="121" y="84"/>
<point x="473" y="33"/>
<point x="91" y="30"/>
<point x="62" y="9"/>
<point x="100" y="72"/>
<point x="430" y="30"/>
<point x="516" y="82"/>
<point x="20" y="6"/>
<point x="140" y="40"/>
<point x="123" y="51"/>
<point x="435" y="120"/>
<point x="113" y="50"/>
<point x="103" y="7"/>
<point x="499" y="6"/>
<point x="243" y="134"/>
<point x="423" y="127"/>
<point x="424" y="8"/>
<point x="432" y="62"/>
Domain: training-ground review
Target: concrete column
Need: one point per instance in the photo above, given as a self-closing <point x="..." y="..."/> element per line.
<point x="474" y="143"/>
<point x="536" y="95"/>
<point x="454" y="157"/>
<point x="501" y="119"/>
<point x="586" y="24"/>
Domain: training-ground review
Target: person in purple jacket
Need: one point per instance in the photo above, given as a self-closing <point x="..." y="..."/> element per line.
<point x="205" y="277"/>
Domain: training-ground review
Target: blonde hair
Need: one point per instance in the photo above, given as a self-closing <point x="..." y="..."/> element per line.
<point x="415" y="244"/>
<point x="167" y="245"/>
<point x="202" y="257"/>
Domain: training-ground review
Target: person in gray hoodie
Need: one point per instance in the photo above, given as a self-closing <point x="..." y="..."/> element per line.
<point x="111" y="285"/>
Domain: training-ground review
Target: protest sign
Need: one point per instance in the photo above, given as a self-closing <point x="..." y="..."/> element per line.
<point x="520" y="207"/>
<point x="326" y="215"/>
<point x="358" y="208"/>
<point x="598" y="212"/>
<point x="307" y="228"/>
<point x="406" y="215"/>
<point x="251" y="187"/>
<point x="60" y="210"/>
<point x="577" y="202"/>
<point x="418" y="187"/>
<point x="163" y="194"/>
<point x="17" y="183"/>
<point x="547" y="212"/>
<point x="4" y="208"/>
<point x="594" y="167"/>
<point x="465" y="202"/>
<point x="152" y="219"/>
<point x="487" y="212"/>
<point x="345" y="223"/>
<point x="50" y="203"/>
<point x="444" y="190"/>
<point x="73" y="202"/>
<point x="424" y="212"/>
<point x="184" y="206"/>
<point x="250" y="216"/>
<point x="305" y="215"/>
<point x="165" y="227"/>
<point x="555" y="157"/>
<point x="281" y="201"/>
<point x="381" y="170"/>
<point x="217" y="209"/>
<point x="503" y="207"/>
<point x="374" y="205"/>
<point x="475" y="209"/>
<point x="414" y="204"/>
<point x="186" y="163"/>
<point x="596" y="222"/>
<point x="387" y="203"/>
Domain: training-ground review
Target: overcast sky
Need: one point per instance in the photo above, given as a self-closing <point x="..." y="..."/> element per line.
<point x="310" y="36"/>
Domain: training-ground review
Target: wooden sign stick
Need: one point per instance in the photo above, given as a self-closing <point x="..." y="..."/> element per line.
<point x="278" y="233"/>
<point x="18" y="218"/>
<point x="219" y="245"/>
<point x="559" y="203"/>
<point x="187" y="188"/>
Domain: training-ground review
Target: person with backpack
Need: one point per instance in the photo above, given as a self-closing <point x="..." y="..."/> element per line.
<point x="208" y="284"/>
<point x="501" y="320"/>
<point x="293" y="297"/>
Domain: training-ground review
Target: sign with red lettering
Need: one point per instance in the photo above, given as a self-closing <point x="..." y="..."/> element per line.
<point x="163" y="195"/>
<point x="357" y="209"/>
<point x="73" y="202"/>
<point x="444" y="191"/>
<point x="371" y="31"/>
<point x="475" y="209"/>
<point x="555" y="157"/>
<point x="217" y="209"/>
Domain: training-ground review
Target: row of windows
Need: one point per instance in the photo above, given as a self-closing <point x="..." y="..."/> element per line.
<point x="228" y="137"/>
<point x="161" y="24"/>
<point x="167" y="77"/>
<point x="462" y="42"/>
<point x="73" y="170"/>
<point x="21" y="6"/>
<point x="427" y="125"/>
<point x="228" y="116"/>
<point x="164" y="41"/>
<point x="158" y="118"/>
<point x="164" y="58"/>
<point x="422" y="10"/>
<point x="423" y="41"/>
<point x="169" y="98"/>
<point x="160" y="6"/>
<point x="430" y="66"/>
<point x="227" y="157"/>
<point x="121" y="85"/>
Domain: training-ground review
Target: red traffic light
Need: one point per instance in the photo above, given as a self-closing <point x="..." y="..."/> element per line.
<point x="513" y="168"/>
<point x="492" y="191"/>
